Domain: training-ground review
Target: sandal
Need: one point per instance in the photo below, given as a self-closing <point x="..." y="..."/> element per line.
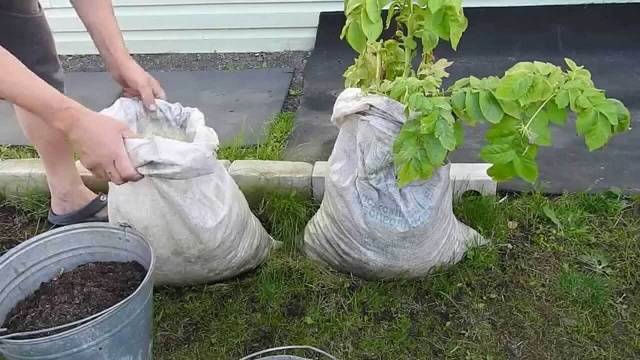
<point x="95" y="211"/>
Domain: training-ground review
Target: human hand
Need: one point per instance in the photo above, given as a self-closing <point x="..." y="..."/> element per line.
<point x="99" y="141"/>
<point x="136" y="82"/>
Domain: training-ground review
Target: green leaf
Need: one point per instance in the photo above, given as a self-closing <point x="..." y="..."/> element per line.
<point x="555" y="114"/>
<point x="571" y="64"/>
<point x="562" y="99"/>
<point x="514" y="86"/>
<point x="429" y="40"/>
<point x="472" y="103"/>
<point x="599" y="134"/>
<point x="582" y="102"/>
<point x="458" y="130"/>
<point x="541" y="133"/>
<point x="624" y="117"/>
<point x="435" y="151"/>
<point x="449" y="23"/>
<point x="585" y="121"/>
<point x="407" y="173"/>
<point x="440" y="24"/>
<point x="609" y="109"/>
<point x="412" y="171"/>
<point x="531" y="151"/>
<point x="460" y="84"/>
<point x="445" y="133"/>
<point x="458" y="100"/>
<point x="551" y="214"/>
<point x="458" y="27"/>
<point x="435" y="5"/>
<point x="498" y="154"/>
<point x="356" y="37"/>
<point x="428" y="123"/>
<point x="345" y="28"/>
<point x="373" y="10"/>
<point x="526" y="168"/>
<point x="372" y="30"/>
<point x="539" y="90"/>
<point x="410" y="43"/>
<point x="511" y="108"/>
<point x="501" y="172"/>
<point x="504" y="132"/>
<point x="405" y="147"/>
<point x="351" y="5"/>
<point x="544" y="68"/>
<point x="573" y="96"/>
<point x="490" y="107"/>
<point x="418" y="102"/>
<point x="475" y="82"/>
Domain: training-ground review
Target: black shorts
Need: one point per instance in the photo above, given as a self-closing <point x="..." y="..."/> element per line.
<point x="25" y="33"/>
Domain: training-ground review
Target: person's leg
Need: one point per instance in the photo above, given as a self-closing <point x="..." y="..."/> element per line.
<point x="25" y="33"/>
<point x="68" y="192"/>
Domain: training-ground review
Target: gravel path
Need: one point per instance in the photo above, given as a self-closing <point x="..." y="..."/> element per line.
<point x="295" y="60"/>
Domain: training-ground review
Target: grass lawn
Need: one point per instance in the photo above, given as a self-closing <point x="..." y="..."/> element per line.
<point x="558" y="281"/>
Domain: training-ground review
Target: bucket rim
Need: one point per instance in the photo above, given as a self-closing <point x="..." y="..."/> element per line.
<point x="81" y="324"/>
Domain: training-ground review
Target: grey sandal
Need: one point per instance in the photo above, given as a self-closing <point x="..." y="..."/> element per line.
<point x="95" y="211"/>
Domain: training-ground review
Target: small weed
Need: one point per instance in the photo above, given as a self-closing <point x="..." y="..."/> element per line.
<point x="597" y="263"/>
<point x="272" y="148"/>
<point x="484" y="213"/>
<point x="295" y="92"/>
<point x="33" y="205"/>
<point x="285" y="217"/>
<point x="587" y="291"/>
<point x="17" y="152"/>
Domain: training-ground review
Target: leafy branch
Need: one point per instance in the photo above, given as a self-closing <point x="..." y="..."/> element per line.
<point x="519" y="107"/>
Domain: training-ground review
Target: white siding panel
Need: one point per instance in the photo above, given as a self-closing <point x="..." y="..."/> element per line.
<point x="201" y="17"/>
<point x="199" y="41"/>
<point x="164" y="26"/>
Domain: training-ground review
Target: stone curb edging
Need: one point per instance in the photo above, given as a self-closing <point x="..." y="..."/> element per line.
<point x="254" y="177"/>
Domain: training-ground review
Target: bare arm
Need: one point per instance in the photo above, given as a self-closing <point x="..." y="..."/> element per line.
<point x="98" y="139"/>
<point x="99" y="19"/>
<point x="22" y="87"/>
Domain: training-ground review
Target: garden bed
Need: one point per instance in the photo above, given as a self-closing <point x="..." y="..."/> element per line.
<point x="559" y="280"/>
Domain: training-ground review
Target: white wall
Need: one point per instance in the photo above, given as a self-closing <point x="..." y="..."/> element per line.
<point x="161" y="26"/>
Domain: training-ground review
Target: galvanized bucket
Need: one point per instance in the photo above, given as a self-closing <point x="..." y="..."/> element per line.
<point x="259" y="354"/>
<point x="122" y="332"/>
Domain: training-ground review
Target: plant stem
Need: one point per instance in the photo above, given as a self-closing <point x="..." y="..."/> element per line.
<point x="538" y="111"/>
<point x="378" y="68"/>
<point x="407" y="51"/>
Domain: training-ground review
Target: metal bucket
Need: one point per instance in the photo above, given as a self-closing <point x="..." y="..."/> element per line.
<point x="122" y="332"/>
<point x="259" y="354"/>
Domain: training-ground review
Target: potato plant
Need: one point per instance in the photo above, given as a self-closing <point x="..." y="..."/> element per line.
<point x="519" y="107"/>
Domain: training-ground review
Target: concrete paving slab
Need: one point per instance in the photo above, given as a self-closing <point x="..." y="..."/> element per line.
<point x="95" y="90"/>
<point x="237" y="104"/>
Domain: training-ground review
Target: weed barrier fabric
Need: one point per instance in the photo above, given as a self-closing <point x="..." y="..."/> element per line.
<point x="603" y="38"/>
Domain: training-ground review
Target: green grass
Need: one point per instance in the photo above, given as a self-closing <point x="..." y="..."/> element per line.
<point x="33" y="205"/>
<point x="539" y="290"/>
<point x="560" y="283"/>
<point x="17" y="152"/>
<point x="277" y="132"/>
